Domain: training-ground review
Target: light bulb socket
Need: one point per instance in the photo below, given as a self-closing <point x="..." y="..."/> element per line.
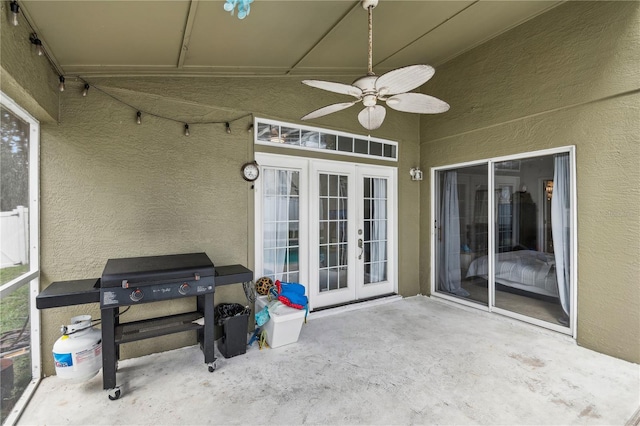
<point x="33" y="38"/>
<point x="15" y="10"/>
<point x="250" y="128"/>
<point x="138" y="117"/>
<point x="61" y="85"/>
<point x="186" y="130"/>
<point x="86" y="89"/>
<point x="228" y="126"/>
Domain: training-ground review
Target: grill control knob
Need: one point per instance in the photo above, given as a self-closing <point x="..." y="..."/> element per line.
<point x="184" y="289"/>
<point x="136" y="295"/>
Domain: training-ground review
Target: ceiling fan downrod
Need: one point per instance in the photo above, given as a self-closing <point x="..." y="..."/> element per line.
<point x="369" y="5"/>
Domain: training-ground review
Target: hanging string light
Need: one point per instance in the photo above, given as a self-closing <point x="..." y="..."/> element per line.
<point x="243" y="6"/>
<point x="35" y="41"/>
<point x="33" y="38"/>
<point x="15" y="10"/>
<point x="139" y="112"/>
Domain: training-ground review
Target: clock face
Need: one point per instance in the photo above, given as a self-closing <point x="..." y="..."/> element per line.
<point x="250" y="171"/>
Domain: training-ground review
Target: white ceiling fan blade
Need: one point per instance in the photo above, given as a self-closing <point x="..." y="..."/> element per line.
<point x="418" y="103"/>
<point x="328" y="110"/>
<point x="403" y="79"/>
<point x="372" y="117"/>
<point x="345" y="89"/>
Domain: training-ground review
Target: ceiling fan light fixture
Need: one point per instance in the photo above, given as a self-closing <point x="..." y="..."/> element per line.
<point x="369" y="100"/>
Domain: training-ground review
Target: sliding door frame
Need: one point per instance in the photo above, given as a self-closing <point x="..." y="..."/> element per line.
<point x="573" y="240"/>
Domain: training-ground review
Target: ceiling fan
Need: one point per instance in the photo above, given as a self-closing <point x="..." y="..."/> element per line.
<point x="391" y="88"/>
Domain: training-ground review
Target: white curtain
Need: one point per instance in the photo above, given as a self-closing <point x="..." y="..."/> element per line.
<point x="560" y="226"/>
<point x="379" y="231"/>
<point x="449" y="238"/>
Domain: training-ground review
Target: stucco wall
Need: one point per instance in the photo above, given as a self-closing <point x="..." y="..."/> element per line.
<point x="568" y="77"/>
<point x="111" y="188"/>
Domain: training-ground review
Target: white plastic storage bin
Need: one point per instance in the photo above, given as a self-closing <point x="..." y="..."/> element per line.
<point x="284" y="323"/>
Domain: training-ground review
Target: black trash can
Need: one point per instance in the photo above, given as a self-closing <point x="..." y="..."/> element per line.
<point x="234" y="319"/>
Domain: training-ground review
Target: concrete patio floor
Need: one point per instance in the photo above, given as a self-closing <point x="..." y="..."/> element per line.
<point x="412" y="361"/>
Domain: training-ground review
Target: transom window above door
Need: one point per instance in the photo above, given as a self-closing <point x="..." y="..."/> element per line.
<point x="269" y="132"/>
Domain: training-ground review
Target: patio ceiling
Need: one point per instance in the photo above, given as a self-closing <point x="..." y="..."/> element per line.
<point x="278" y="38"/>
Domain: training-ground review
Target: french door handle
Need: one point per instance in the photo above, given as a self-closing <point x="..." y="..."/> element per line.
<point x="361" y="248"/>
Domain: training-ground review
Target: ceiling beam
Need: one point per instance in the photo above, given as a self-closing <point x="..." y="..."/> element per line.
<point x="188" y="28"/>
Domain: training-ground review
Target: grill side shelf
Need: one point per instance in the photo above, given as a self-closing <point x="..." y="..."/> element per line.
<point x="145" y="329"/>
<point x="232" y="274"/>
<point x="68" y="293"/>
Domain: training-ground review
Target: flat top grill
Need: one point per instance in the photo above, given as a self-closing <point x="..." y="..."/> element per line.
<point x="155" y="278"/>
<point x="154" y="269"/>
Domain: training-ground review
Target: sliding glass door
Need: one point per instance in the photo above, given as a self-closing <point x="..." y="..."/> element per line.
<point x="504" y="236"/>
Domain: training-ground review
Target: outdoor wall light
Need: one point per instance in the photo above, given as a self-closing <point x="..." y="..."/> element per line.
<point x="416" y="173"/>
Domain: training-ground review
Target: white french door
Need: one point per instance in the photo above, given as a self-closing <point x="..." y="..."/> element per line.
<point x="341" y="227"/>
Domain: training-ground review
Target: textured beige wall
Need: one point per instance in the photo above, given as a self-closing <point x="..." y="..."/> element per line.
<point x="111" y="188"/>
<point x="568" y="77"/>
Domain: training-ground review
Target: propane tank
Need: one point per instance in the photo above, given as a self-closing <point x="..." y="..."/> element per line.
<point x="77" y="354"/>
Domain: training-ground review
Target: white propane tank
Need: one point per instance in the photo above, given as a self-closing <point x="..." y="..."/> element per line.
<point x="77" y="354"/>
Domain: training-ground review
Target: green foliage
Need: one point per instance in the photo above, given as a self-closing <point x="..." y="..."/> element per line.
<point x="7" y="274"/>
<point x="14" y="310"/>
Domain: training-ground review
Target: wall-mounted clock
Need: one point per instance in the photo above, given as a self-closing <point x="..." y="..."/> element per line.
<point x="250" y="171"/>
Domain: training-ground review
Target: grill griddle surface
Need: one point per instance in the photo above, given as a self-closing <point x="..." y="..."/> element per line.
<point x="155" y="268"/>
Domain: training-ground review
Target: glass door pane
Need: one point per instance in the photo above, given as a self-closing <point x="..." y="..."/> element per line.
<point x="375" y="230"/>
<point x="281" y="210"/>
<point x="526" y="258"/>
<point x="333" y="232"/>
<point x="462" y="219"/>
